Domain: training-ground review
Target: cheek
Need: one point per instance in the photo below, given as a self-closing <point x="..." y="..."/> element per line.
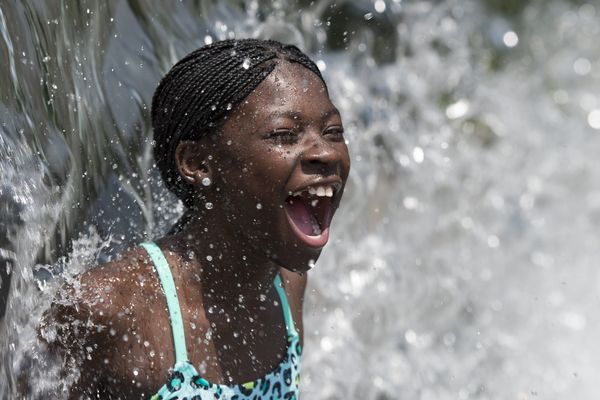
<point x="255" y="186"/>
<point x="345" y="160"/>
<point x="272" y="168"/>
<point x="253" y="175"/>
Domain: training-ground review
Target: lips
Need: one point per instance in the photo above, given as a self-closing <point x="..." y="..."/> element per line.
<point x="309" y="212"/>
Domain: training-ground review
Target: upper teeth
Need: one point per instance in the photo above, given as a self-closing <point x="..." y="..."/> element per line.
<point x="319" y="191"/>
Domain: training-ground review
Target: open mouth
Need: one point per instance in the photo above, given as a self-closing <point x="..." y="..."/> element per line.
<point x="309" y="212"/>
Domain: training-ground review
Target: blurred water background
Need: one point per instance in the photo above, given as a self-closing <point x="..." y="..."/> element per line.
<point x="464" y="260"/>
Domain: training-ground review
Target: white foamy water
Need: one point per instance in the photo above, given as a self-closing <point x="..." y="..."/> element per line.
<point x="463" y="262"/>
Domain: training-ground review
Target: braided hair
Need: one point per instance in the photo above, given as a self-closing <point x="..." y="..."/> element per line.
<point x="199" y="91"/>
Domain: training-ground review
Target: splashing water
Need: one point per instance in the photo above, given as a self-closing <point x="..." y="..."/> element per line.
<point x="462" y="260"/>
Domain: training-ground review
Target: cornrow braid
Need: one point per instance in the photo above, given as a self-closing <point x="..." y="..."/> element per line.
<point x="194" y="97"/>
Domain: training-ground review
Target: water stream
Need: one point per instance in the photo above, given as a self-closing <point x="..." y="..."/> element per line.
<point x="463" y="262"/>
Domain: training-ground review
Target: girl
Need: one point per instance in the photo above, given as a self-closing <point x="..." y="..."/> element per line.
<point x="247" y="137"/>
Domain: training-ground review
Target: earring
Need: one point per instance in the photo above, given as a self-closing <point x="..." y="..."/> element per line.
<point x="206" y="181"/>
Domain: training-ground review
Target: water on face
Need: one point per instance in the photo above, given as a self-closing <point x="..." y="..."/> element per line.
<point x="462" y="262"/>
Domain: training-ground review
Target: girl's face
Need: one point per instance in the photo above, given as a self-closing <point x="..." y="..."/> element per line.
<point x="281" y="164"/>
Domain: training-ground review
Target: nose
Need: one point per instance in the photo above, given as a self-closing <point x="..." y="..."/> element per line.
<point x="320" y="157"/>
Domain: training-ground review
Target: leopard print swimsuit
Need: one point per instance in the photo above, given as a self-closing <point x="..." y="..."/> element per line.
<point x="185" y="383"/>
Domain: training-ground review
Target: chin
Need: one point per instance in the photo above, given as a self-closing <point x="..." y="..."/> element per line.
<point x="301" y="263"/>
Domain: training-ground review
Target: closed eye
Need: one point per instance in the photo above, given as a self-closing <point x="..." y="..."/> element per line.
<point x="334" y="132"/>
<point x="282" y="136"/>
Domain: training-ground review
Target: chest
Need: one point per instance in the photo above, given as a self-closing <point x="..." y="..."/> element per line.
<point x="221" y="349"/>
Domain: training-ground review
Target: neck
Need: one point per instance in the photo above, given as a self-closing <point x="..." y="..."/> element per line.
<point x="227" y="270"/>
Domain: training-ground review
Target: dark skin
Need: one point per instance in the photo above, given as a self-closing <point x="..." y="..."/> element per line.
<point x="284" y="136"/>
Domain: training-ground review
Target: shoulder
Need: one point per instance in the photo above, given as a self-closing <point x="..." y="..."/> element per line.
<point x="104" y="291"/>
<point x="95" y="319"/>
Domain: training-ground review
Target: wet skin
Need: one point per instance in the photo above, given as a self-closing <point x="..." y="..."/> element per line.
<point x="286" y="135"/>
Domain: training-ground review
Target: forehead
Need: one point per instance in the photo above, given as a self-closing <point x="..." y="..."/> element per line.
<point x="290" y="88"/>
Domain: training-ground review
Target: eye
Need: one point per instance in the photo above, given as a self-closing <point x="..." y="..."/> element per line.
<point x="283" y="136"/>
<point x="334" y="132"/>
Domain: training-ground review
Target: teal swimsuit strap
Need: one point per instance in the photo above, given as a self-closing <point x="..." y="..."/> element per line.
<point x="287" y="313"/>
<point x="168" y="285"/>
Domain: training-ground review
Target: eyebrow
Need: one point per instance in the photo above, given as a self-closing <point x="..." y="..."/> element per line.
<point x="297" y="115"/>
<point x="333" y="111"/>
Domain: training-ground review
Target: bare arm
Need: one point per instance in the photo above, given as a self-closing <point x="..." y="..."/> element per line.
<point x="75" y="340"/>
<point x="104" y="331"/>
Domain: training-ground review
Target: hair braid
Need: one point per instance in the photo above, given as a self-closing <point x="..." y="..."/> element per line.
<point x="194" y="97"/>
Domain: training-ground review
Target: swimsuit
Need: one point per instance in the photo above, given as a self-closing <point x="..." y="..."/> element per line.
<point x="186" y="384"/>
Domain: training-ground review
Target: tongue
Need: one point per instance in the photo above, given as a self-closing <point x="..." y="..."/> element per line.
<point x="302" y="216"/>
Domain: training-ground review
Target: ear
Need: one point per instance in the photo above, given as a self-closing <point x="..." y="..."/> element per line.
<point x="191" y="159"/>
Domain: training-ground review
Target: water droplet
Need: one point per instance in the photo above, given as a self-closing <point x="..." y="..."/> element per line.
<point x="213" y="107"/>
<point x="206" y="181"/>
<point x="418" y="155"/>
<point x="229" y="106"/>
<point x="112" y="332"/>
<point x="493" y="241"/>
<point x="211" y="310"/>
<point x="458" y="109"/>
<point x="208" y="39"/>
<point x="327" y="344"/>
<point x="209" y="258"/>
<point x="380" y="6"/>
<point x="125" y="338"/>
<point x="311" y="263"/>
<point x="593" y="119"/>
<point x="510" y="39"/>
<point x="136" y="372"/>
<point x="449" y="339"/>
<point x="582" y="66"/>
<point x="368" y="16"/>
<point x="410" y="203"/>
<point x="146" y="343"/>
<point x="258" y="206"/>
<point x="236" y="334"/>
<point x="410" y="336"/>
<point x="208" y="205"/>
<point x="246" y="63"/>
